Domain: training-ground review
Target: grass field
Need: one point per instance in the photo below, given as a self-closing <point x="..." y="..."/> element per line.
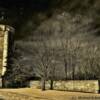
<point x="36" y="94"/>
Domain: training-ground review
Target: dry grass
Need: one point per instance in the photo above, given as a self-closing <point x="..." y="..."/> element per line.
<point x="36" y="94"/>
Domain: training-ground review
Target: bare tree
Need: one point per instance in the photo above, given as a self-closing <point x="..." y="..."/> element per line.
<point x="52" y="69"/>
<point x="43" y="61"/>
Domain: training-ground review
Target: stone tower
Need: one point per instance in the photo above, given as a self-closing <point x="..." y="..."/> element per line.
<point x="6" y="36"/>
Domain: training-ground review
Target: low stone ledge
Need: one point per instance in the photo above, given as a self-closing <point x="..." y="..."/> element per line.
<point x="88" y="86"/>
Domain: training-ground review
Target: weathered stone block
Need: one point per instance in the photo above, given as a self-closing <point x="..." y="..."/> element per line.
<point x="5" y="32"/>
<point x="89" y="86"/>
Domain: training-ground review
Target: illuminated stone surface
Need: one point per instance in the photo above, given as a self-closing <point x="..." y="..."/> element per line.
<point x="5" y="31"/>
<point x="88" y="86"/>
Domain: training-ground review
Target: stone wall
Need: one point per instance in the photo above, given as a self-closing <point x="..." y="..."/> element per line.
<point x="1" y="49"/>
<point x="5" y="31"/>
<point x="89" y="86"/>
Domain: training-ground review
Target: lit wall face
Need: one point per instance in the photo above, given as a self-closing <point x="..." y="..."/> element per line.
<point x="1" y="50"/>
<point x="4" y="38"/>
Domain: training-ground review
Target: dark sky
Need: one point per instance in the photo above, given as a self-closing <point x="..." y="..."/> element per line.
<point x="17" y="12"/>
<point x="36" y="4"/>
<point x="26" y="7"/>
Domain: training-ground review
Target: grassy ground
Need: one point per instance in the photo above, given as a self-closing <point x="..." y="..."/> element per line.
<point x="36" y="94"/>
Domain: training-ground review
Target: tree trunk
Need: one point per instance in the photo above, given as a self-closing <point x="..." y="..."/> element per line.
<point x="3" y="83"/>
<point x="66" y="70"/>
<point x="51" y="84"/>
<point x="73" y="73"/>
<point x="43" y="84"/>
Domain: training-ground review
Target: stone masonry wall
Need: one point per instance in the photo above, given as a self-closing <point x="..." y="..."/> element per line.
<point x="1" y="50"/>
<point x="5" y="32"/>
<point x="89" y="86"/>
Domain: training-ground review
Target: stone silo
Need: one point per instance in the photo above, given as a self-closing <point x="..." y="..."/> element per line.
<point x="6" y="47"/>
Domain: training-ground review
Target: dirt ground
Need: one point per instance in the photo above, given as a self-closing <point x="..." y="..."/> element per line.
<point x="36" y="94"/>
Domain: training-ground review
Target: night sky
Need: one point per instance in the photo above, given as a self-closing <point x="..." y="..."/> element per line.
<point x="16" y="13"/>
<point x="15" y="10"/>
<point x="35" y="4"/>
